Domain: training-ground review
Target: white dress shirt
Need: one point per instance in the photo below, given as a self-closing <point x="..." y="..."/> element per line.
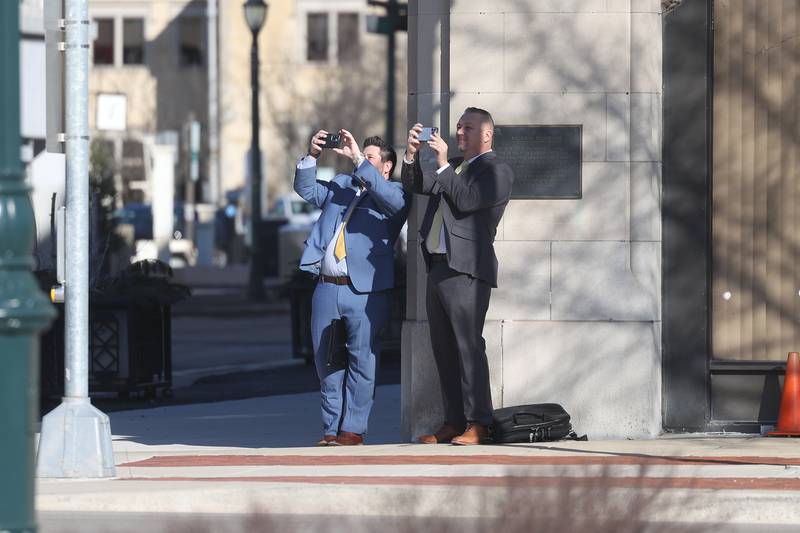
<point x="330" y="266"/>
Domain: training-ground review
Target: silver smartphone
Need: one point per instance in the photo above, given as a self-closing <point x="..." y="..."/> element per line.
<point x="427" y="133"/>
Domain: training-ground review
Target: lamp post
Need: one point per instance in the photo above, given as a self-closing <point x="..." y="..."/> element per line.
<point x="24" y="310"/>
<point x="396" y="19"/>
<point x="255" y="13"/>
<point x="391" y="13"/>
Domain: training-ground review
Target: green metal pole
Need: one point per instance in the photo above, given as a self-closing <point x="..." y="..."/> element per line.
<point x="24" y="310"/>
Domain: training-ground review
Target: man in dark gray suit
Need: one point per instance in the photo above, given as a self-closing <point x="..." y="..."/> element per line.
<point x="467" y="198"/>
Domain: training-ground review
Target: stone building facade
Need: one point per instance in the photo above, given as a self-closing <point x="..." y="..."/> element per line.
<point x="577" y="315"/>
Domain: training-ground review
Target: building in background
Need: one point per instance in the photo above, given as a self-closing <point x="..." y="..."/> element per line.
<point x="177" y="72"/>
<point x="150" y="77"/>
<point x="319" y="69"/>
<point x="45" y="171"/>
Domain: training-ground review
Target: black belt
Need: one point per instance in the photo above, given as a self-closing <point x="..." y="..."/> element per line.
<point x="438" y="258"/>
<point x="336" y="280"/>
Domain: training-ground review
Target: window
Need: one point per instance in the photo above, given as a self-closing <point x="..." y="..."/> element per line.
<point x="317" y="36"/>
<point x="347" y="29"/>
<point x="192" y="44"/>
<point x="104" y="43"/>
<point x="132" y="41"/>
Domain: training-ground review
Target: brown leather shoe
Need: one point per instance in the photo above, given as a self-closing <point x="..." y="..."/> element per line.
<point x="345" y="438"/>
<point x="475" y="434"/>
<point x="327" y="439"/>
<point x="444" y="435"/>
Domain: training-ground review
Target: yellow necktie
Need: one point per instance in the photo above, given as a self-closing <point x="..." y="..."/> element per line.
<point x="432" y="242"/>
<point x="339" y="251"/>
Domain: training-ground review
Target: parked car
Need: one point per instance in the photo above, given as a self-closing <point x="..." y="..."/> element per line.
<point x="140" y="217"/>
<point x="294" y="209"/>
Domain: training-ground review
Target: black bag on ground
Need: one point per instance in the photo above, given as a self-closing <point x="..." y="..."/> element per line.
<point x="539" y="422"/>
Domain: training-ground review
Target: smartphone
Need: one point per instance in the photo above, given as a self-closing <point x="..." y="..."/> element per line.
<point x="333" y="140"/>
<point x="427" y="133"/>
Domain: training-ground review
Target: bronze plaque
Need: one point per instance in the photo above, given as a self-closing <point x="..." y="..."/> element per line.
<point x="546" y="159"/>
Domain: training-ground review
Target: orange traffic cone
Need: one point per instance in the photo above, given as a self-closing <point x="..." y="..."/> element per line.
<point x="789" y="415"/>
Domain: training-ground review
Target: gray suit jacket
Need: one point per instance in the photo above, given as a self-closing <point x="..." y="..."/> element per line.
<point x="474" y="202"/>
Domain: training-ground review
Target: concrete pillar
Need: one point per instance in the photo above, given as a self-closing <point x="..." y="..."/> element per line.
<point x="429" y="103"/>
<point x="577" y="315"/>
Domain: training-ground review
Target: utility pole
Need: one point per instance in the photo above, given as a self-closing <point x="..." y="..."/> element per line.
<point x="24" y="310"/>
<point x="396" y="19"/>
<point x="391" y="14"/>
<point x="255" y="12"/>
<point x="76" y="437"/>
<point x="214" y="183"/>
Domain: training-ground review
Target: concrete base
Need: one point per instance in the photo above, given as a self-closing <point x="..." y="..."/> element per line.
<point x="421" y="409"/>
<point x="75" y="442"/>
<point x="607" y="375"/>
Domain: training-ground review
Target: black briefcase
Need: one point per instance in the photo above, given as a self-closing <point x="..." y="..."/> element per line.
<point x="336" y="351"/>
<point x="539" y="422"/>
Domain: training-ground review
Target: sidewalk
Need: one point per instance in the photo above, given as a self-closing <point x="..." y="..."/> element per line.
<point x="238" y="457"/>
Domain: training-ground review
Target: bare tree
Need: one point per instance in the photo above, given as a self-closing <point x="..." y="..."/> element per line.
<point x="350" y="96"/>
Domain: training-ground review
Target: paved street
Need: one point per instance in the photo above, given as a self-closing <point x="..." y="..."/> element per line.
<point x="205" y="346"/>
<point x="243" y="350"/>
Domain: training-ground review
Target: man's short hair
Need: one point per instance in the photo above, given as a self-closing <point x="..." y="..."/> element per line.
<point x="485" y="115"/>
<point x="387" y="152"/>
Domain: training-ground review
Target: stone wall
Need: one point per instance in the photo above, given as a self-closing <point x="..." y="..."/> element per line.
<point x="576" y="318"/>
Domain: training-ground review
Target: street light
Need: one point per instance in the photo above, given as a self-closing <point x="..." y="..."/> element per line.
<point x="255" y="13"/>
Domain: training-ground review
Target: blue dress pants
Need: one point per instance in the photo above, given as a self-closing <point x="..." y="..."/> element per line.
<point x="347" y="394"/>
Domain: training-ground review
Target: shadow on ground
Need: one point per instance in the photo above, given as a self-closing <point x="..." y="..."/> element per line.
<point x="289" y="379"/>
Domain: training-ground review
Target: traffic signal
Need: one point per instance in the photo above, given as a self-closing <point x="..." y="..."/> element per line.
<point x="396" y="18"/>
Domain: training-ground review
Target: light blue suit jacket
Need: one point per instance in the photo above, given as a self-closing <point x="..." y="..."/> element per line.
<point x="371" y="231"/>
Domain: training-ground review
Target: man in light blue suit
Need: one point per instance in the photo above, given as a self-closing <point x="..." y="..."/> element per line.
<point x="351" y="249"/>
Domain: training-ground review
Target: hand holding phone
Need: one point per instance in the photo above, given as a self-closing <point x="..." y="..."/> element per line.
<point x="333" y="140"/>
<point x="412" y="143"/>
<point x="427" y="133"/>
<point x="317" y="143"/>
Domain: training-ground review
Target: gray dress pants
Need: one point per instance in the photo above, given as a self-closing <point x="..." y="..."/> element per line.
<point x="457" y="305"/>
